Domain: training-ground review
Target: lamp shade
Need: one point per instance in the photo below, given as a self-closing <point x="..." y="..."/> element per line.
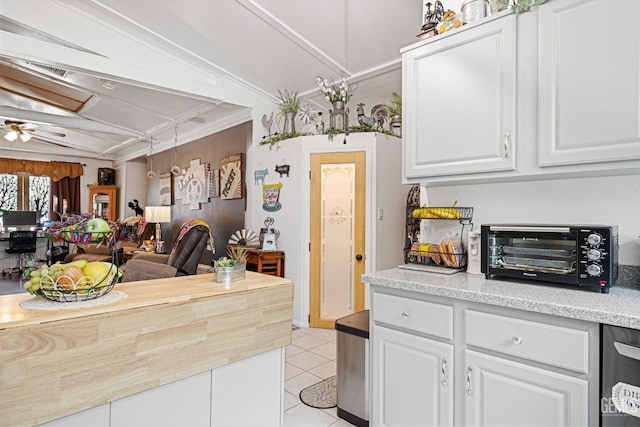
<point x="157" y="214"/>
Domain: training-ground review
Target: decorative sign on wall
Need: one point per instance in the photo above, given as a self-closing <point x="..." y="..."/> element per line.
<point x="231" y="177"/>
<point x="271" y="197"/>
<point x="192" y="187"/>
<point x="283" y="170"/>
<point x="259" y="175"/>
<point x="165" y="189"/>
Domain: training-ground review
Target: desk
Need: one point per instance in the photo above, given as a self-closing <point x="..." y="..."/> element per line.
<point x="267" y="262"/>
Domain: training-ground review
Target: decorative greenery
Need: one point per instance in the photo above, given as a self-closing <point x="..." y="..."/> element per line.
<point x="332" y="132"/>
<point x="273" y="141"/>
<point x="289" y="101"/>
<point x="395" y="106"/>
<point x="521" y="6"/>
<point x="333" y="91"/>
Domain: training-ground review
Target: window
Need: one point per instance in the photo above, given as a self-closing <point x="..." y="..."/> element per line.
<point x="25" y="192"/>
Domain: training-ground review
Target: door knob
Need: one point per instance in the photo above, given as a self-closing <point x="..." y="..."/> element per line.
<point x="359" y="257"/>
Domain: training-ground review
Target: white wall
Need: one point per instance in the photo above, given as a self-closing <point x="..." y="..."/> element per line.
<point x="611" y="200"/>
<point x="132" y="184"/>
<point x="383" y="161"/>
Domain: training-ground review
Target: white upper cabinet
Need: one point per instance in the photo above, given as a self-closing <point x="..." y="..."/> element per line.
<point x="459" y="102"/>
<point x="589" y="83"/>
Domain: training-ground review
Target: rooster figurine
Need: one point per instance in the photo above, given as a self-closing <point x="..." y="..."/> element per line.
<point x="379" y="114"/>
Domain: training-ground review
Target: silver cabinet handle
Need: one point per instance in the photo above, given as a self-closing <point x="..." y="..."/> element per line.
<point x="444" y="372"/>
<point x="507" y="145"/>
<point x="516" y="340"/>
<point x="405" y="314"/>
<point x="469" y="388"/>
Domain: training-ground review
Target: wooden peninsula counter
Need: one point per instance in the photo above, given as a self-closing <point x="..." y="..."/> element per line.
<point x="180" y="351"/>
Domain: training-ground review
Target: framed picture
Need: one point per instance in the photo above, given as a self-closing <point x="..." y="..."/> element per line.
<point x="165" y="189"/>
<point x="231" y="177"/>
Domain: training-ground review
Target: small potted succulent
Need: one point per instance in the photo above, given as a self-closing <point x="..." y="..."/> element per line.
<point x="231" y="267"/>
<point x="289" y="105"/>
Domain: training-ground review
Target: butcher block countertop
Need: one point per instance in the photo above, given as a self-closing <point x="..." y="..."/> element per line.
<point x="620" y="307"/>
<point x="58" y="362"/>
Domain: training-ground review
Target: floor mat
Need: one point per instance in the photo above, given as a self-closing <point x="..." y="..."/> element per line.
<point x="321" y="395"/>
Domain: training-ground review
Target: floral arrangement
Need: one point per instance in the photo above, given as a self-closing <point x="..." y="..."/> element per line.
<point x="333" y="91"/>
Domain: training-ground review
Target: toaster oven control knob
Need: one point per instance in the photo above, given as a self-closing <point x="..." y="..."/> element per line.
<point x="594" y="254"/>
<point x="594" y="239"/>
<point x="594" y="270"/>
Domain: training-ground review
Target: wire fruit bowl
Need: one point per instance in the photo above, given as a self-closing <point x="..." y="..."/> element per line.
<point x="64" y="288"/>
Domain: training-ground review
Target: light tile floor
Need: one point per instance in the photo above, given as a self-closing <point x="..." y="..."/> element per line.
<point x="310" y="358"/>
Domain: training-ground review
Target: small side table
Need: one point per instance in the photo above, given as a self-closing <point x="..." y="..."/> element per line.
<point x="267" y="262"/>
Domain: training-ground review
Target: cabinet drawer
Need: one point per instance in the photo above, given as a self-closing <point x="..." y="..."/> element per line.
<point x="554" y="345"/>
<point x="416" y="315"/>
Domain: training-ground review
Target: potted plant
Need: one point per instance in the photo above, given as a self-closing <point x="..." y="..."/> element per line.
<point x="289" y="105"/>
<point x="395" y="112"/>
<point x="231" y="267"/>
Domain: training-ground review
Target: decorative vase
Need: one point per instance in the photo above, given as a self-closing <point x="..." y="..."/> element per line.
<point x="289" y="123"/>
<point x="396" y="125"/>
<point x="338" y="118"/>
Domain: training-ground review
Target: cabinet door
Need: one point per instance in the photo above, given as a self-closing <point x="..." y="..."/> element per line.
<point x="589" y="94"/>
<point x="459" y="102"/>
<point x="411" y="380"/>
<point x="185" y="402"/>
<point x="500" y="392"/>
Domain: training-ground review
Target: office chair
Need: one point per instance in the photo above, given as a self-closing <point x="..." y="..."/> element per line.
<point x="20" y="242"/>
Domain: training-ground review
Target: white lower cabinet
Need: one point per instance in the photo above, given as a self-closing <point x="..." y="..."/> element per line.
<point x="507" y="393"/>
<point x="249" y="392"/>
<point x="511" y="367"/>
<point x="412" y="380"/>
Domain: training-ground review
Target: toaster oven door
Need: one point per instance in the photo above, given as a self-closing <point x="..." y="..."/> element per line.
<point x="531" y="252"/>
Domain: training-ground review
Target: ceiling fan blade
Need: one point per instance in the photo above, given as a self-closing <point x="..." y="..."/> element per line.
<point x="39" y="131"/>
<point x="47" y="141"/>
<point x="71" y="122"/>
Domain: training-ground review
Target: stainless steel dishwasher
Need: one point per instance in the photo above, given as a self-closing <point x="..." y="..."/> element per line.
<point x="352" y="367"/>
<point x="620" y="377"/>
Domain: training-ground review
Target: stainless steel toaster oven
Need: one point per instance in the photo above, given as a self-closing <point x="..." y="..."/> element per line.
<point x="584" y="256"/>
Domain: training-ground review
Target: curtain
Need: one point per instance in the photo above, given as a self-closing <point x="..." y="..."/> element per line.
<point x="67" y="189"/>
<point x="55" y="170"/>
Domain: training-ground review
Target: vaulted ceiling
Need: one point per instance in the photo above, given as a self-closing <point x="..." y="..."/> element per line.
<point x="118" y="78"/>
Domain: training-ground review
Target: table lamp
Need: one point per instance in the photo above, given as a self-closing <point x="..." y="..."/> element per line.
<point x="157" y="214"/>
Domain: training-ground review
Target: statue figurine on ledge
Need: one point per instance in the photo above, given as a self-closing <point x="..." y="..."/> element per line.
<point x="431" y="19"/>
<point x="136" y="207"/>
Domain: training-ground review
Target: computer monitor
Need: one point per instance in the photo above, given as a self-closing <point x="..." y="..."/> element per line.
<point x="19" y="220"/>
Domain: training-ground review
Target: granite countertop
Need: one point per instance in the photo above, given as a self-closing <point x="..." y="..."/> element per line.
<point x="620" y="307"/>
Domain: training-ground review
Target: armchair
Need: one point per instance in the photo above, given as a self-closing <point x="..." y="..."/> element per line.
<point x="181" y="261"/>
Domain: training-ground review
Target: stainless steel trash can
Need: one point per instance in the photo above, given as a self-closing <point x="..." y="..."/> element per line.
<point x="352" y="335"/>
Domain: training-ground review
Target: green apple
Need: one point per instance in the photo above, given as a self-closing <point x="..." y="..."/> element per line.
<point x="97" y="227"/>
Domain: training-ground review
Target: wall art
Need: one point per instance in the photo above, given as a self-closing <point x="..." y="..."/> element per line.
<point x="271" y="197"/>
<point x="192" y="186"/>
<point x="259" y="176"/>
<point x="283" y="170"/>
<point x="165" y="189"/>
<point x="231" y="177"/>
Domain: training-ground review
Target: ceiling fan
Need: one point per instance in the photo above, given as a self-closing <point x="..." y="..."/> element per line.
<point x="23" y="130"/>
